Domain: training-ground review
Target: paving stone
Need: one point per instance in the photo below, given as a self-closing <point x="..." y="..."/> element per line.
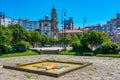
<point x="103" y="68"/>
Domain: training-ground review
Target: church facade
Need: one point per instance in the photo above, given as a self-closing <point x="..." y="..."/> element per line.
<point x="48" y="26"/>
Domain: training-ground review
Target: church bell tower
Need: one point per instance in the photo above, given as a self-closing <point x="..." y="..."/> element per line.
<point x="54" y="23"/>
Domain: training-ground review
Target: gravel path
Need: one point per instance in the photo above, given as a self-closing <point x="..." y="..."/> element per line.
<point x="102" y="68"/>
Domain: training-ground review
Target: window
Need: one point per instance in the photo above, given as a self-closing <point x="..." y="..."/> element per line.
<point x="40" y="24"/>
<point x="118" y="20"/>
<point x="46" y="24"/>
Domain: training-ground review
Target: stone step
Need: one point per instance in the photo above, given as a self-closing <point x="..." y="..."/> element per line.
<point x="49" y="51"/>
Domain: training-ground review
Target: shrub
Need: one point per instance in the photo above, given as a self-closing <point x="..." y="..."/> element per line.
<point x="5" y="49"/>
<point x="98" y="51"/>
<point x="75" y="45"/>
<point x="19" y="48"/>
<point x="25" y="43"/>
<point x="108" y="48"/>
<point x="8" y="49"/>
<point x="2" y="49"/>
<point x="85" y="48"/>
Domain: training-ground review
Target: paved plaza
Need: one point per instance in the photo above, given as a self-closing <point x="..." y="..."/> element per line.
<point x="102" y="68"/>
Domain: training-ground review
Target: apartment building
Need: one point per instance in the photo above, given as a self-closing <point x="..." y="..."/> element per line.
<point x="6" y="21"/>
<point x="28" y="24"/>
<point x="96" y="27"/>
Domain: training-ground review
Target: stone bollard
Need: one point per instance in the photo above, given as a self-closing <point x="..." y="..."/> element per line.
<point x="58" y="51"/>
<point x="41" y="51"/>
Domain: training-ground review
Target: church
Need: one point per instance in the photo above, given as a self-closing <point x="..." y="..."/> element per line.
<point x="48" y="26"/>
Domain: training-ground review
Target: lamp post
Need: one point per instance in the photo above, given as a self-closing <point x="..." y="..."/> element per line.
<point x="63" y="26"/>
<point x="84" y="21"/>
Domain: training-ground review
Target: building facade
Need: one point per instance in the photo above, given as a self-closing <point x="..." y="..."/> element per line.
<point x="68" y="24"/>
<point x="28" y="24"/>
<point x="69" y="32"/>
<point x="2" y="16"/>
<point x="48" y="26"/>
<point x="96" y="27"/>
<point x="6" y="21"/>
<point x="111" y="28"/>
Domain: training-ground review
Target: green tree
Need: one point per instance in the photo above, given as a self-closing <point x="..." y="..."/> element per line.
<point x="68" y="38"/>
<point x="108" y="48"/>
<point x="52" y="41"/>
<point x="34" y="38"/>
<point x="94" y="39"/>
<point x="74" y="38"/>
<point x="5" y="35"/>
<point x="75" y="43"/>
<point x="105" y="37"/>
<point x="84" y="39"/>
<point x="18" y="32"/>
<point x="43" y="39"/>
<point x="79" y="36"/>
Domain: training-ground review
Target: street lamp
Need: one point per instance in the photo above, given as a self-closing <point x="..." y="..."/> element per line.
<point x="63" y="26"/>
<point x="84" y="21"/>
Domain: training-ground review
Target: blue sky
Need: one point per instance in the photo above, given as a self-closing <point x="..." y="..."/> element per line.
<point x="96" y="11"/>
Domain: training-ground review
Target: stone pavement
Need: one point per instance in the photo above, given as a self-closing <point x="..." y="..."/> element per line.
<point x="103" y="68"/>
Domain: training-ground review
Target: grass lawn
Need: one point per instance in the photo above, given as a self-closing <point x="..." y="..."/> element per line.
<point x="69" y="53"/>
<point x="108" y="55"/>
<point x="28" y="52"/>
